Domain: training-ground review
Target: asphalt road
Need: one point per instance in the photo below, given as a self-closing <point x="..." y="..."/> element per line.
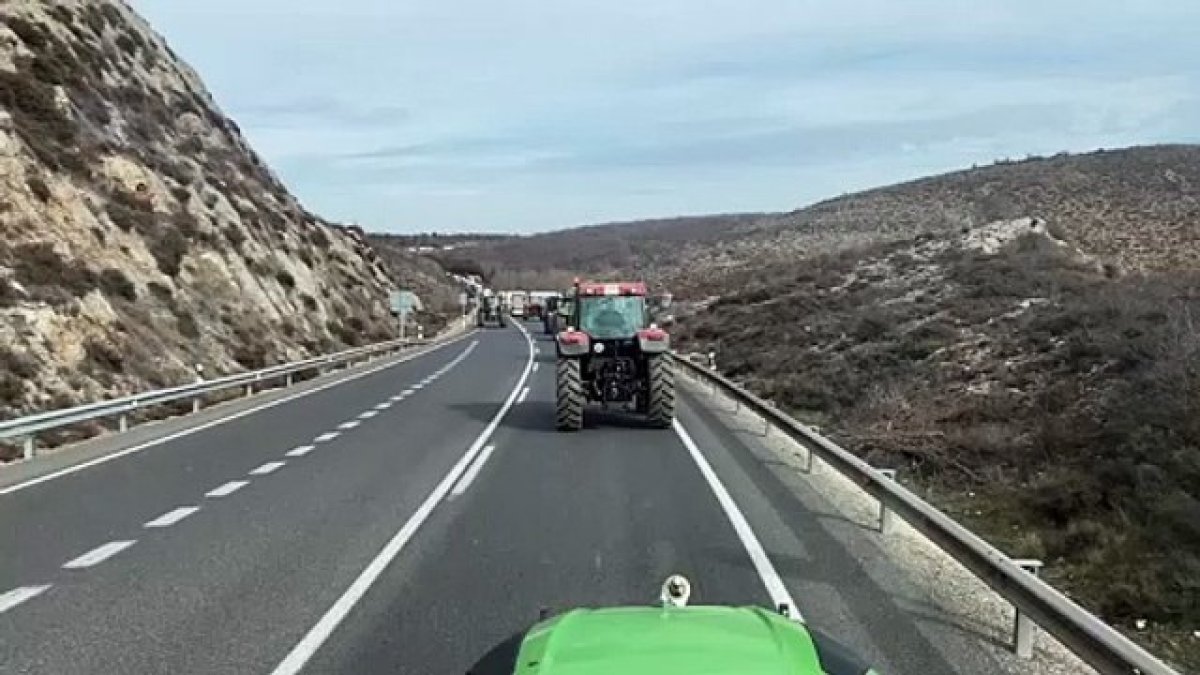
<point x="408" y="520"/>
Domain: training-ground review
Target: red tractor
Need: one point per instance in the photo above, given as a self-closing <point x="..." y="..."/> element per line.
<point x="610" y="352"/>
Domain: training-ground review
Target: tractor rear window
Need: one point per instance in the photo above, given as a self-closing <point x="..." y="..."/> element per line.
<point x="608" y="317"/>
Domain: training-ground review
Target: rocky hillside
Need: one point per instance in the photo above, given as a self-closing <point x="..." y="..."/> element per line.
<point x="139" y="234"/>
<point x="1135" y="208"/>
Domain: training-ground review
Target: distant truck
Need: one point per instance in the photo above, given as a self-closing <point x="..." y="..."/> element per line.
<point x="516" y="302"/>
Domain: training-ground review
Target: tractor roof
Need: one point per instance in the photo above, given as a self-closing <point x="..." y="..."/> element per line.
<point x="587" y="288"/>
<point x="668" y="641"/>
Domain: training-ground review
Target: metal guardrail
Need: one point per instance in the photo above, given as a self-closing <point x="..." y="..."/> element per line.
<point x="1097" y="643"/>
<point x="25" y="429"/>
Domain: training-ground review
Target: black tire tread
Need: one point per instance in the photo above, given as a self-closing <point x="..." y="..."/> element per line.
<point x="569" y="405"/>
<point x="660" y="409"/>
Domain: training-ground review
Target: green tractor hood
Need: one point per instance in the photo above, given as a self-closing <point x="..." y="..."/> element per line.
<point x="668" y="641"/>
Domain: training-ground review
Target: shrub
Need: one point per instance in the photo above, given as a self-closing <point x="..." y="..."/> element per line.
<point x="871" y="326"/>
<point x="50" y="135"/>
<point x="20" y="365"/>
<point x="186" y="324"/>
<point x="104" y="356"/>
<point x="168" y="249"/>
<point x="93" y="18"/>
<point x="250" y="351"/>
<point x="114" y="282"/>
<point x="163" y="293"/>
<point x="38" y="187"/>
<point x="235" y="236"/>
<point x="130" y="213"/>
<point x="285" y="278"/>
<point x="34" y="35"/>
<point x="40" y="269"/>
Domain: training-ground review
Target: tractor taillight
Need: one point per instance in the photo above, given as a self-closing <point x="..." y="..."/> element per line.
<point x="573" y="338"/>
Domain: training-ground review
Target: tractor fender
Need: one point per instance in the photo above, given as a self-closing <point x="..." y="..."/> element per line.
<point x="573" y="343"/>
<point x="653" y="341"/>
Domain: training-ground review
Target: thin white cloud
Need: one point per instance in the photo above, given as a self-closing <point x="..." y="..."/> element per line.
<point x="530" y="114"/>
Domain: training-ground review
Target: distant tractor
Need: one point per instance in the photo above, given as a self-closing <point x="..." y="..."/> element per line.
<point x="610" y="353"/>
<point x="550" y="316"/>
<point x="489" y="312"/>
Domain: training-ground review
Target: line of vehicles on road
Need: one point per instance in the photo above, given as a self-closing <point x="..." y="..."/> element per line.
<point x="610" y="347"/>
<point x="611" y="350"/>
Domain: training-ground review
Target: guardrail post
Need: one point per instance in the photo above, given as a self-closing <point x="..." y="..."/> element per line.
<point x="885" y="514"/>
<point x="29" y="447"/>
<point x="196" y="404"/>
<point x="123" y="422"/>
<point x="1023" y="626"/>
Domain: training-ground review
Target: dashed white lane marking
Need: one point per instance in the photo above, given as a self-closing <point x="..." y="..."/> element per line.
<point x="99" y="554"/>
<point x="762" y="564"/>
<point x="18" y="595"/>
<point x="397" y="398"/>
<point x="524" y="393"/>
<point x="267" y="468"/>
<point x="319" y="633"/>
<point x="415" y="387"/>
<point x="535" y="366"/>
<point x="299" y="451"/>
<point x="346" y="426"/>
<point x="366" y="415"/>
<point x="238" y="415"/>
<point x="326" y="437"/>
<point x="171" y="517"/>
<point x="383" y="406"/>
<point x="469" y="476"/>
<point x="227" y="489"/>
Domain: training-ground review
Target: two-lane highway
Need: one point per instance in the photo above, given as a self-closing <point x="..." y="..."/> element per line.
<point x="408" y="520"/>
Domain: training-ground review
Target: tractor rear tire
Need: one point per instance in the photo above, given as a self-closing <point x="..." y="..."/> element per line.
<point x="568" y="414"/>
<point x="660" y="408"/>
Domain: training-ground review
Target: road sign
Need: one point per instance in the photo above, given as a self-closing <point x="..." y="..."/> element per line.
<point x="403" y="302"/>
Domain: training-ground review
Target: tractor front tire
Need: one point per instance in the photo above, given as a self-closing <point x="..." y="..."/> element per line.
<point x="568" y="414"/>
<point x="660" y="408"/>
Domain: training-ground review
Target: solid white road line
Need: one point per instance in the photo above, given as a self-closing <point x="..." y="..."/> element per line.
<point x="171" y="517"/>
<point x="227" y="489"/>
<point x="469" y="476"/>
<point x="229" y="418"/>
<point x="368" y="414"/>
<point x="99" y="554"/>
<point x="326" y="437"/>
<point x="267" y="468"/>
<point x="319" y="633"/>
<point x="18" y="595"/>
<point x="346" y="426"/>
<point x="762" y="564"/>
<point x="416" y="387"/>
<point x="299" y="451"/>
<point x="383" y="406"/>
<point x="524" y="393"/>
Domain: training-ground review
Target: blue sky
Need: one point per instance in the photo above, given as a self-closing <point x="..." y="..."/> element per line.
<point x="528" y="115"/>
